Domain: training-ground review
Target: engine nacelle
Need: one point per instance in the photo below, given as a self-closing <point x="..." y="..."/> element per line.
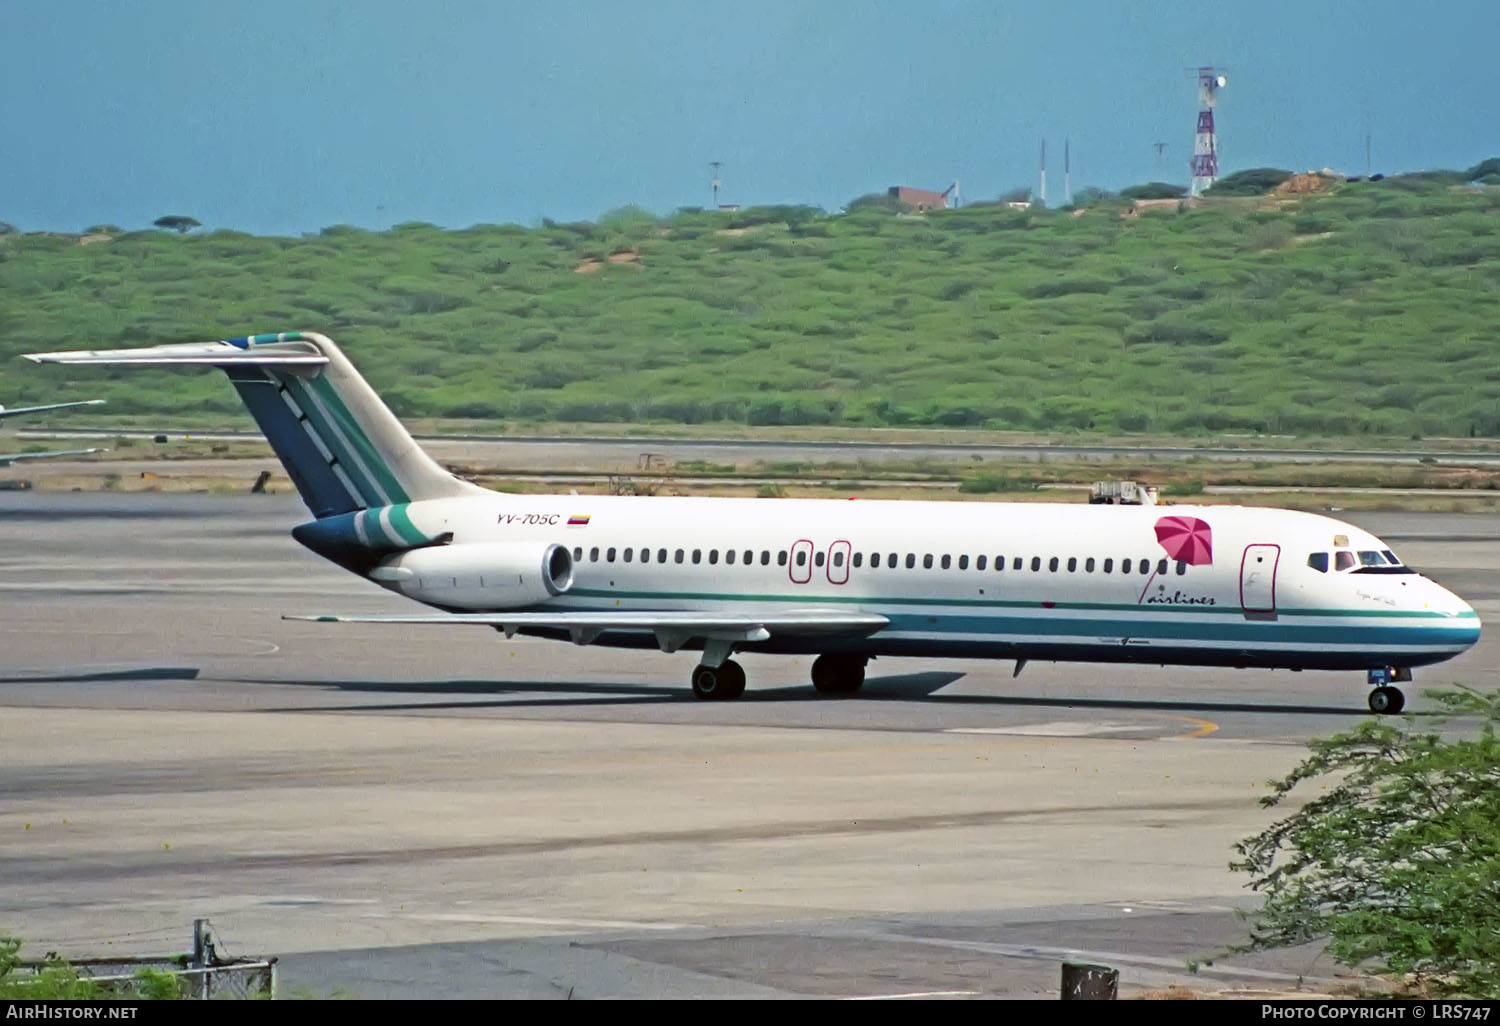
<point x="491" y="575"/>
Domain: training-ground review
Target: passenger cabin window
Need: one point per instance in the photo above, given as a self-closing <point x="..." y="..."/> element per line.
<point x="1145" y="566"/>
<point x="1072" y="564"/>
<point x="1319" y="562"/>
<point x="979" y="564"/>
<point x="1088" y="565"/>
<point x="1181" y="567"/>
<point x="729" y="556"/>
<point x="1343" y="559"/>
<point x="1109" y="566"/>
<point x="678" y="555"/>
<point x="818" y="559"/>
<point x="713" y="556"/>
<point x="578" y="555"/>
<point x="765" y="557"/>
<point x="1036" y="563"/>
<point x="627" y="555"/>
<point x="911" y="560"/>
<point x="1052" y="564"/>
<point x="594" y="554"/>
<point x="661" y="556"/>
<point x="802" y="559"/>
<point x="781" y="558"/>
<point x="927" y="561"/>
<point x="838" y="559"/>
<point x="610" y="556"/>
<point x="1015" y="564"/>
<point x="697" y="556"/>
<point x="947" y="561"/>
<point x="1161" y="566"/>
<point x="859" y="558"/>
<point x="963" y="562"/>
<point x="645" y="555"/>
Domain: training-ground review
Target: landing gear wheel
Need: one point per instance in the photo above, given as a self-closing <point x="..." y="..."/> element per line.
<point x="722" y="683"/>
<point x="838" y="674"/>
<point x="1387" y="701"/>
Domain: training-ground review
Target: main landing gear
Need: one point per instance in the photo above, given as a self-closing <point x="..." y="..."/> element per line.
<point x="721" y="683"/>
<point x="831" y="674"/>
<point x="1386" y="700"/>
<point x="838" y="674"/>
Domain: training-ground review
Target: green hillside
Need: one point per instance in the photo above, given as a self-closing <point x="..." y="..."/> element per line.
<point x="1373" y="307"/>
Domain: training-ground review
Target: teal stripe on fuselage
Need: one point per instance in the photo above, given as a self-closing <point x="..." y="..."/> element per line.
<point x="883" y="601"/>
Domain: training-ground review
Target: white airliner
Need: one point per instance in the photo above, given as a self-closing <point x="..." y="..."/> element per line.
<point x="842" y="580"/>
<point x="6" y="459"/>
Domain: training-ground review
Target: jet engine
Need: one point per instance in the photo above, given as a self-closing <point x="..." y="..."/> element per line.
<point x="481" y="576"/>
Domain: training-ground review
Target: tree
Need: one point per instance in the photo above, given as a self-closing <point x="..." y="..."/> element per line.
<point x="1153" y="190"/>
<point x="1397" y="862"/>
<point x="177" y="223"/>
<point x="1256" y="181"/>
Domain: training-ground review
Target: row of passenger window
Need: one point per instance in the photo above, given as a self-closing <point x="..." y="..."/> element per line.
<point x="890" y="560"/>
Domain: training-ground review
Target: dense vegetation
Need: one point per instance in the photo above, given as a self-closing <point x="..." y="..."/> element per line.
<point x="1371" y="308"/>
<point x="1395" y="861"/>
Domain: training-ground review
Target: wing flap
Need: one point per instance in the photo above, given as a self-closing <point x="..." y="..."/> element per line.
<point x="673" y="628"/>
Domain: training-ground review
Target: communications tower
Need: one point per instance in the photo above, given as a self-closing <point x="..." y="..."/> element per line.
<point x="1205" y="163"/>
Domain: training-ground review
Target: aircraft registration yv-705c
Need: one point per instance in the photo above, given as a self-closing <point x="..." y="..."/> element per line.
<point x="844" y="581"/>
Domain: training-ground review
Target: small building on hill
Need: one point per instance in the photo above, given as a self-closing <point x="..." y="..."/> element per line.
<point x="919" y="199"/>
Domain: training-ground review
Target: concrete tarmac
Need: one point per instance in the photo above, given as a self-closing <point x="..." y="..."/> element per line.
<point x="441" y="812"/>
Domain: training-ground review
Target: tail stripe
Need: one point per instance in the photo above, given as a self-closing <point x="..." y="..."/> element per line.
<point x="322" y="425"/>
<point x="327" y="491"/>
<point x="400" y="519"/>
<point x="327" y="394"/>
<point x="335" y="465"/>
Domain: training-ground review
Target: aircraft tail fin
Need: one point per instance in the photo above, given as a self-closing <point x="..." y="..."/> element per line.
<point x="341" y="445"/>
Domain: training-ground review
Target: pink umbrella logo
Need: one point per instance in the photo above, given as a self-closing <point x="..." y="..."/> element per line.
<point x="1187" y="539"/>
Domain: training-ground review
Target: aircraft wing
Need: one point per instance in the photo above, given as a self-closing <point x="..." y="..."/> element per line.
<point x="673" y="628"/>
<point x="6" y="459"/>
<point x="16" y="411"/>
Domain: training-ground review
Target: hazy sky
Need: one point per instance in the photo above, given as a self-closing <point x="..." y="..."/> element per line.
<point x="288" y="115"/>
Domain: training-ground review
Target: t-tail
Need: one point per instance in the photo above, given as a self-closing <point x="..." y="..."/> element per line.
<point x="340" y="444"/>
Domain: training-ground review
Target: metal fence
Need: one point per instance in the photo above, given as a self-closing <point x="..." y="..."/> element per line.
<point x="230" y="981"/>
<point x="236" y="981"/>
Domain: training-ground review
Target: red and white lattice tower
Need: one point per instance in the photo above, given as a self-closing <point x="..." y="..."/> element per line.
<point x="1205" y="163"/>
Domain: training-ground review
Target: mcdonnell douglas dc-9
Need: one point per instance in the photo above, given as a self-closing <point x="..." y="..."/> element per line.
<point x="6" y="459"/>
<point x="844" y="581"/>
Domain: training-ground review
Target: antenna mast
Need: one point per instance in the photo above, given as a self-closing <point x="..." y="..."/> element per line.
<point x="716" y="164"/>
<point x="1042" y="174"/>
<point x="1067" y="176"/>
<point x="1205" y="162"/>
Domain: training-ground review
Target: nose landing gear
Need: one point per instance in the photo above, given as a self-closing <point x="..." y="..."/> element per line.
<point x="1384" y="699"/>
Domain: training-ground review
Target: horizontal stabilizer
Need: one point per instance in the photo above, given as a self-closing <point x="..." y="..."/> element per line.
<point x="202" y="354"/>
<point x="17" y="457"/>
<point x="673" y="628"/>
<point x="16" y="411"/>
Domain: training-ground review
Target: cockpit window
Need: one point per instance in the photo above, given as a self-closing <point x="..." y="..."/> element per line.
<point x="1319" y="562"/>
<point x="1368" y="558"/>
<point x="1391" y="557"/>
<point x="1343" y="560"/>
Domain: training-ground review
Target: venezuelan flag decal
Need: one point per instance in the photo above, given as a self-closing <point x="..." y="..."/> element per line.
<point x="578" y="520"/>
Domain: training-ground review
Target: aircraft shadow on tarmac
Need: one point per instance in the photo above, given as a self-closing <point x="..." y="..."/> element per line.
<point x="142" y="673"/>
<point x="905" y="687"/>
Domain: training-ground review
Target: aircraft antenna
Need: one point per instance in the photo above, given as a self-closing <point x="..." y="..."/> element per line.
<point x="716" y="164"/>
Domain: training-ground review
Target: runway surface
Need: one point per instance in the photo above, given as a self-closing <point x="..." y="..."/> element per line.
<point x="442" y="812"/>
